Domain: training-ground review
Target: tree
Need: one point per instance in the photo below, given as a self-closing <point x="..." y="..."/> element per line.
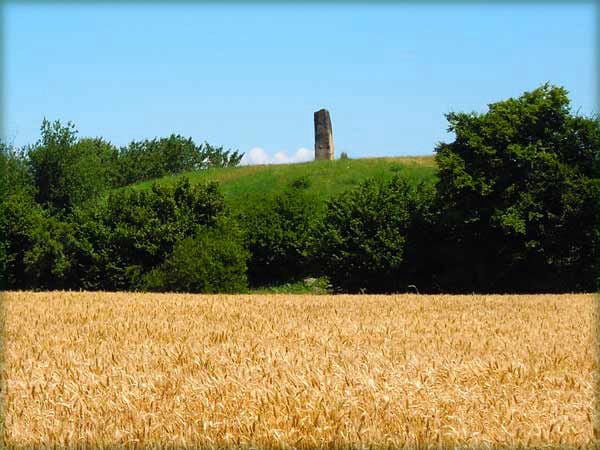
<point x="279" y="233"/>
<point x="363" y="239"/>
<point x="214" y="260"/>
<point x="518" y="188"/>
<point x="16" y="182"/>
<point x="218" y="157"/>
<point x="95" y="162"/>
<point x="39" y="248"/>
<point x="147" y="159"/>
<point x="14" y="174"/>
<point x="133" y="232"/>
<point x="49" y="160"/>
<point x="66" y="171"/>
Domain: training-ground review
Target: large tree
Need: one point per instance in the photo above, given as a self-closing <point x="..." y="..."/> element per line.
<point x="519" y="190"/>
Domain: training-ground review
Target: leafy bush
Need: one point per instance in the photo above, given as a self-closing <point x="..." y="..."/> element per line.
<point x="14" y="172"/>
<point x="363" y="238"/>
<point x="98" y="159"/>
<point x="135" y="232"/>
<point x="279" y="233"/>
<point x="14" y="181"/>
<point x="214" y="260"/>
<point x="38" y="249"/>
<point x="519" y="193"/>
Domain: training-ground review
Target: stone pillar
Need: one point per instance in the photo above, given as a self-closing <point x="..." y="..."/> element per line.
<point x="323" y="135"/>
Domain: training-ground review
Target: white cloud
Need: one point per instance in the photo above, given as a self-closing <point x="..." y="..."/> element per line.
<point x="255" y="156"/>
<point x="304" y="154"/>
<point x="259" y="155"/>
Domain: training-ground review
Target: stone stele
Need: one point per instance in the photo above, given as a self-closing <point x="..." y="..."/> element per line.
<point x="323" y="136"/>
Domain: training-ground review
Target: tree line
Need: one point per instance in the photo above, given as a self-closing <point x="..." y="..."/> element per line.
<point x="515" y="207"/>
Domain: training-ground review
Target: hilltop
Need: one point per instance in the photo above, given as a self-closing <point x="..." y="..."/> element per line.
<point x="325" y="178"/>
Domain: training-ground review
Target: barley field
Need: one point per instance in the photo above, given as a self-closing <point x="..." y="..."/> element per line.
<point x="123" y="370"/>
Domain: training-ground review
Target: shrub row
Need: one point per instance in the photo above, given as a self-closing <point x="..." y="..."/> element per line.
<point x="148" y="240"/>
<point x="515" y="209"/>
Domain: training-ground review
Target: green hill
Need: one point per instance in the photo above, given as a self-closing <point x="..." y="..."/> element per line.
<point x="325" y="178"/>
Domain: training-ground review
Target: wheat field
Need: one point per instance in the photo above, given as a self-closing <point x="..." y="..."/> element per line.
<point x="123" y="370"/>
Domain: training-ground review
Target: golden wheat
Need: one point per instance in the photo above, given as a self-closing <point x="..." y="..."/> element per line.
<point x="105" y="370"/>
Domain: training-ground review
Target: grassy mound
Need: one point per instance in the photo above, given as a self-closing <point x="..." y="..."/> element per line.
<point x="243" y="185"/>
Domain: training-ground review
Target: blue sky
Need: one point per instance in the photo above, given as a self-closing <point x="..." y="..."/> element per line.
<point x="251" y="76"/>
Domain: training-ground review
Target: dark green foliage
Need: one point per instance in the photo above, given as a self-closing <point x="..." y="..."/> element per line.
<point x="148" y="159"/>
<point x="40" y="248"/>
<point x="214" y="260"/>
<point x="113" y="246"/>
<point x="278" y="235"/>
<point x="519" y="197"/>
<point x="50" y="160"/>
<point x="15" y="222"/>
<point x="16" y="191"/>
<point x="135" y="232"/>
<point x="14" y="172"/>
<point x="98" y="159"/>
<point x="363" y="239"/>
<point x="67" y="172"/>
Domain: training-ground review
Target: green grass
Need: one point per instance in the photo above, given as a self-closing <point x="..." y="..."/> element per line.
<point x="243" y="185"/>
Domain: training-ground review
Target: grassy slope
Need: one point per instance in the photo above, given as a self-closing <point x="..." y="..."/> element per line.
<point x="326" y="178"/>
